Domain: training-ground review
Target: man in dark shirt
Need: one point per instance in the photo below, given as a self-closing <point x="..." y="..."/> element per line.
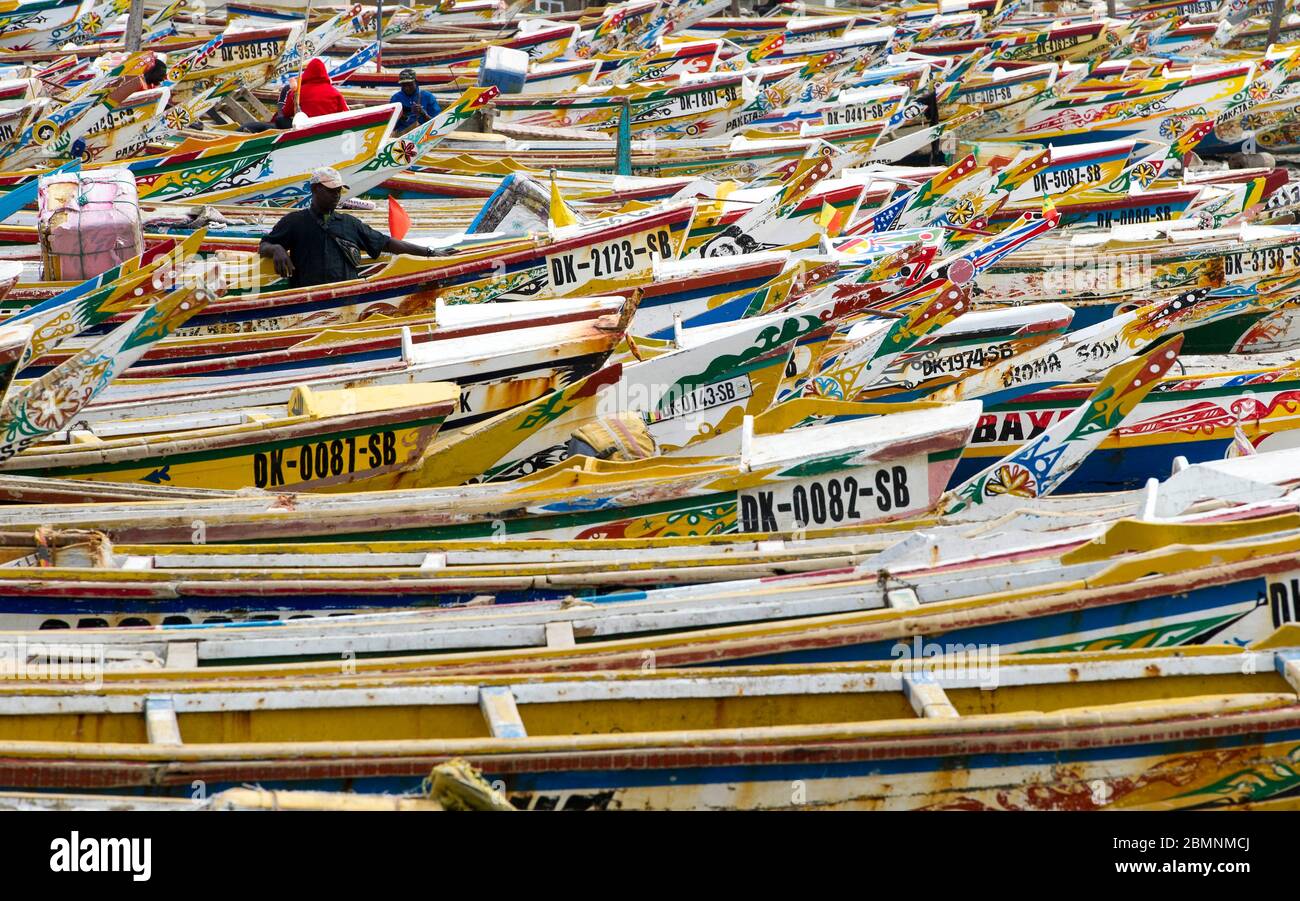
<point x="418" y="106"/>
<point x="318" y="246"/>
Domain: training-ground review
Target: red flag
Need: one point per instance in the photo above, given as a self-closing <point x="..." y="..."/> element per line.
<point x="398" y="222"/>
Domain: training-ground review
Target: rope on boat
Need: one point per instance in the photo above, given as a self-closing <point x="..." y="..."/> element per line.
<point x="456" y="785"/>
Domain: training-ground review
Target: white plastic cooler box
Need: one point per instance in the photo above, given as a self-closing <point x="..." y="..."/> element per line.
<point x="504" y="67"/>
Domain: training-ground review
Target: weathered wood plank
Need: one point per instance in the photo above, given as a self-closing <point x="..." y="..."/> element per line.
<point x="498" y="705"/>
<point x="927" y="698"/>
<point x="160" y="720"/>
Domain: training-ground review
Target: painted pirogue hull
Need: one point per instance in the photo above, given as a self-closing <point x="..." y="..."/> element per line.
<point x="337" y="453"/>
<point x="1199" y="418"/>
<point x="901" y="776"/>
<point x="1144" y="112"/>
<point x="1243" y="606"/>
<point x="519" y="360"/>
<point x="552" y="77"/>
<point x="517" y="269"/>
<point x="1239" y="604"/>
<point x="656" y="497"/>
<point x="265" y="168"/>
<point x="1137" y="731"/>
<point x="1208" y="760"/>
<point x="488" y="387"/>
<point x="288" y="355"/>
<point x="33" y="26"/>
<point x="719" y="161"/>
<point x="1096" y="280"/>
<point x="1068" y="592"/>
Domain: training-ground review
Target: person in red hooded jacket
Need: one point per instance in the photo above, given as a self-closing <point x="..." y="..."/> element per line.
<point x="315" y="96"/>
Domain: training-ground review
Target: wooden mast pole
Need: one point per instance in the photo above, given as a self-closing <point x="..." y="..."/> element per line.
<point x="134" y="25"/>
<point x="1275" y="20"/>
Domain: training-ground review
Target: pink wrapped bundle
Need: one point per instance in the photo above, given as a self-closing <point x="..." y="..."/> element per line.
<point x="88" y="223"/>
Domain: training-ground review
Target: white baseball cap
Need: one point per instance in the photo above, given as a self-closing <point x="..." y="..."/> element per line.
<point x="328" y="177"/>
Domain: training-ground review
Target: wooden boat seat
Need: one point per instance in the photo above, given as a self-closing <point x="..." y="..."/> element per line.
<point x="317" y="404"/>
<point x="927" y="698"/>
<point x="591" y="471"/>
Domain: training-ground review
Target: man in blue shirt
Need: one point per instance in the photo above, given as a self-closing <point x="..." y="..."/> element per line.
<point x="418" y="106"/>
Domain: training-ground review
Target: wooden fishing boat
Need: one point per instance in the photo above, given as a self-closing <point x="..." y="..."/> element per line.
<point x="1028" y="601"/>
<point x="1159" y="108"/>
<point x="468" y="12"/>
<point x="33" y="25"/>
<point x="496" y="368"/>
<point x="1196" y="417"/>
<point x="272" y="167"/>
<point x="298" y="587"/>
<point x="336" y="440"/>
<point x="967" y="344"/>
<point x="699" y="496"/>
<point x="1130" y="718"/>
<point x="667" y="587"/>
<point x="539" y="265"/>
<point x="1101" y="271"/>
<point x="49" y="403"/>
<point x="238" y="52"/>
<point x="989" y="91"/>
<point x="735" y="157"/>
<point x="784" y="261"/>
<point x="542" y="45"/>
<point x="662" y="111"/>
<point x="543" y="78"/>
<point x="262" y="355"/>
<point x="115" y="134"/>
<point x="231" y="168"/>
<point x="90" y="98"/>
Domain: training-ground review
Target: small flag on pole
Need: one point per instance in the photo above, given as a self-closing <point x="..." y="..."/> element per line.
<point x="1049" y="210"/>
<point x="398" y="222"/>
<point x="561" y="215"/>
<point x="830" y="219"/>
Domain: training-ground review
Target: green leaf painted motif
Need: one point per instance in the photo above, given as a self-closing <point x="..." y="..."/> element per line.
<point x="546" y="411"/>
<point x="1270" y="779"/>
<point x="1154" y="637"/>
